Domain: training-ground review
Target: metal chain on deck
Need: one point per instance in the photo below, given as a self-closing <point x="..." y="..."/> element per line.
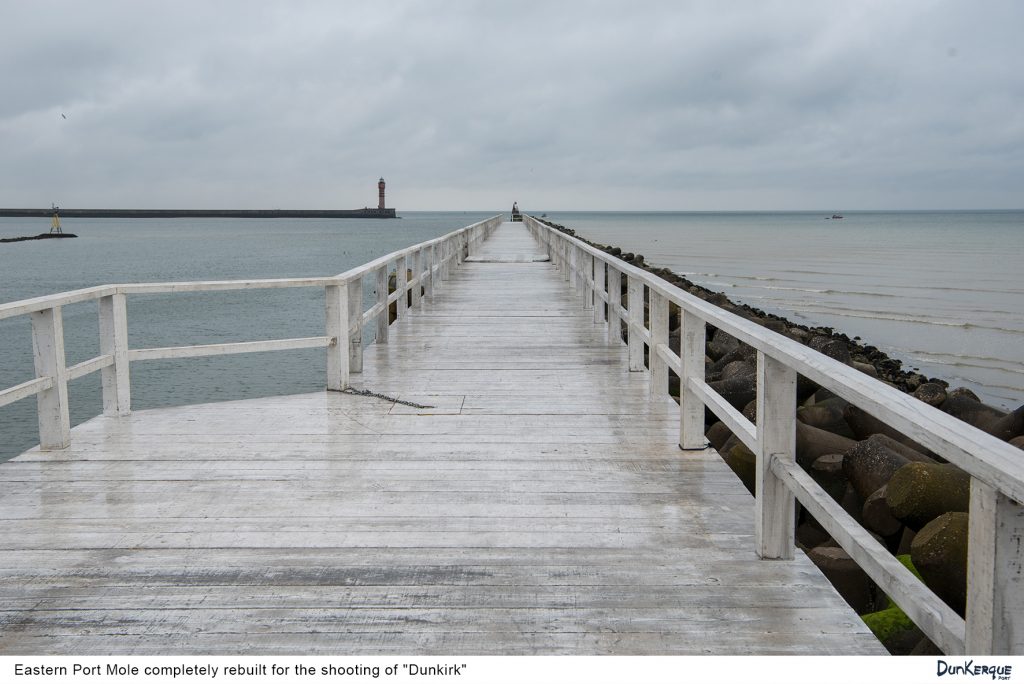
<point x="368" y="393"/>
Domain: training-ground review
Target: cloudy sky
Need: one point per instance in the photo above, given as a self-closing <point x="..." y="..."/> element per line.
<point x="469" y="105"/>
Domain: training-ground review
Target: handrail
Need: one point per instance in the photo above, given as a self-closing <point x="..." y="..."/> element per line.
<point x="430" y="262"/>
<point x="995" y="611"/>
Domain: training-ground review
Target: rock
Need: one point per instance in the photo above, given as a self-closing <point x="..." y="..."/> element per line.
<point x="827" y="471"/>
<point x="911" y="454"/>
<point x="865" y="368"/>
<point x="717" y="435"/>
<point x="960" y="392"/>
<point x="1009" y="426"/>
<point x="812" y="442"/>
<point x="810" y="535"/>
<point x="931" y="393"/>
<point x="966" y="407"/>
<point x="869" y="464"/>
<point x="894" y="629"/>
<point x="920" y="492"/>
<point x="738" y="369"/>
<point x="742" y="353"/>
<point x="1018" y="442"/>
<point x="852" y="502"/>
<point x="864" y="425"/>
<point x="743" y="462"/>
<point x="737" y="391"/>
<point x="876" y="514"/>
<point x="720" y="344"/>
<point x="850" y="581"/>
<point x="825" y="416"/>
<point x="939" y="552"/>
<point x="831" y="347"/>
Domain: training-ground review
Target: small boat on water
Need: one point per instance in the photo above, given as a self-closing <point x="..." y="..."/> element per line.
<point x="833" y="216"/>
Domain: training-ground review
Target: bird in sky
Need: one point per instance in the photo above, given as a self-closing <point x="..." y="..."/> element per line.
<point x="63" y="116"/>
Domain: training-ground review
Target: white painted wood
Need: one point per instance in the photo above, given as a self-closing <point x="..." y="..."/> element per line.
<point x="355" y="325"/>
<point x="381" y="290"/>
<point x="744" y="430"/>
<point x="97" y="363"/>
<point x="659" y="336"/>
<point x="52" y="403"/>
<point x="337" y="319"/>
<point x="671" y="359"/>
<point x="417" y="268"/>
<point x="775" y="510"/>
<point x="588" y="282"/>
<point x="25" y="390"/>
<point x="600" y="295"/>
<point x="635" y="304"/>
<point x="691" y="408"/>
<point x="116" y="378"/>
<point x="995" y="586"/>
<point x="937" y="620"/>
<point x="226" y="348"/>
<point x="28" y="306"/>
<point x="402" y="285"/>
<point x="614" y="306"/>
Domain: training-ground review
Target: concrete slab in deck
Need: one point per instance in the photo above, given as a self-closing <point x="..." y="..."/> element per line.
<point x="540" y="506"/>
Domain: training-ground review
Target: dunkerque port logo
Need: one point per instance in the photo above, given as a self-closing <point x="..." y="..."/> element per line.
<point x="968" y="668"/>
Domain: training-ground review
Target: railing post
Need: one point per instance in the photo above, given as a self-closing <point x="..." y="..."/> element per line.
<point x="995" y="573"/>
<point x="659" y="335"/>
<point x="691" y="408"/>
<point x="775" y="512"/>
<point x="402" y="285"/>
<point x="635" y="302"/>
<point x="587" y="279"/>
<point x="336" y="312"/>
<point x="117" y="388"/>
<point x="565" y="258"/>
<point x="614" y="305"/>
<point x="354" y="330"/>
<point x="573" y="270"/>
<point x="52" y="404"/>
<point x="417" y="270"/>
<point x="382" y="299"/>
<point x="431" y="260"/>
<point x="599" y="290"/>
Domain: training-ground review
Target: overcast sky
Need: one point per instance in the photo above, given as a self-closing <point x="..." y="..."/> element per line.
<point x="471" y="105"/>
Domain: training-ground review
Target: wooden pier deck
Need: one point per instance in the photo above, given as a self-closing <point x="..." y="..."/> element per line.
<point x="540" y="506"/>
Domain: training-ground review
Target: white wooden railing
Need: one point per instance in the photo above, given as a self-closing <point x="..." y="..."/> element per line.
<point x="995" y="594"/>
<point x="430" y="263"/>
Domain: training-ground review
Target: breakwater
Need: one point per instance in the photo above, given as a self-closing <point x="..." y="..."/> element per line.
<point x="41" y="236"/>
<point x="912" y="501"/>
<point x="204" y="213"/>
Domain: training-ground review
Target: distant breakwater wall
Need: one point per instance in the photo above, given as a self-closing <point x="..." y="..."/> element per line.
<point x="202" y="213"/>
<point x="908" y="498"/>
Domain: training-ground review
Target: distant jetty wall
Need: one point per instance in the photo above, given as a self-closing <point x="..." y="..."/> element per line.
<point x="202" y="213"/>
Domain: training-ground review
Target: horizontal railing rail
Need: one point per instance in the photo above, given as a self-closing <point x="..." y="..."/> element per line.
<point x="429" y="263"/>
<point x="995" y="598"/>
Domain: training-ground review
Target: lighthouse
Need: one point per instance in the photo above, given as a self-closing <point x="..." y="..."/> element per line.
<point x="380" y="194"/>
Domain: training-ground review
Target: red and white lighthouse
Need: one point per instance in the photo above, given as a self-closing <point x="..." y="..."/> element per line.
<point x="380" y="193"/>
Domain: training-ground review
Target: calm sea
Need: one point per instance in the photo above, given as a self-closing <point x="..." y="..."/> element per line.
<point x="939" y="290"/>
<point x="942" y="291"/>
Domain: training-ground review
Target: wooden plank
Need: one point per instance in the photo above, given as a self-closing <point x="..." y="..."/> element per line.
<point x="116" y="379"/>
<point x="24" y="390"/>
<point x="52" y="403"/>
<point x="227" y="348"/>
<point x="775" y="511"/>
<point x="80" y="370"/>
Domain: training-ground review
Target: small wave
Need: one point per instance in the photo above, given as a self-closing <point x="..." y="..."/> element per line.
<point x="888" y="316"/>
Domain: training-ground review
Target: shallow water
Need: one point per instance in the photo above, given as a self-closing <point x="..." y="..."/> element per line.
<point x="939" y="290"/>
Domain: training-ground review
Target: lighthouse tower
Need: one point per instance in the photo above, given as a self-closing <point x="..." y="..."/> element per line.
<point x="380" y="193"/>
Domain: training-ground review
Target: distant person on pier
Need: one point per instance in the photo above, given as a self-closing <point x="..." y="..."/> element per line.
<point x="515" y="212"/>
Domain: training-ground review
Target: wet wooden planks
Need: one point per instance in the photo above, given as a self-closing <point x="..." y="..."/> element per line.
<point x="540" y="506"/>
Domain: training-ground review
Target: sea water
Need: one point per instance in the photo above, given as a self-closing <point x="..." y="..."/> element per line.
<point x="941" y="291"/>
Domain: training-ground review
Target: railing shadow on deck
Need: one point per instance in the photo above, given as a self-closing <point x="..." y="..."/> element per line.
<point x="429" y="262"/>
<point x="995" y="599"/>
